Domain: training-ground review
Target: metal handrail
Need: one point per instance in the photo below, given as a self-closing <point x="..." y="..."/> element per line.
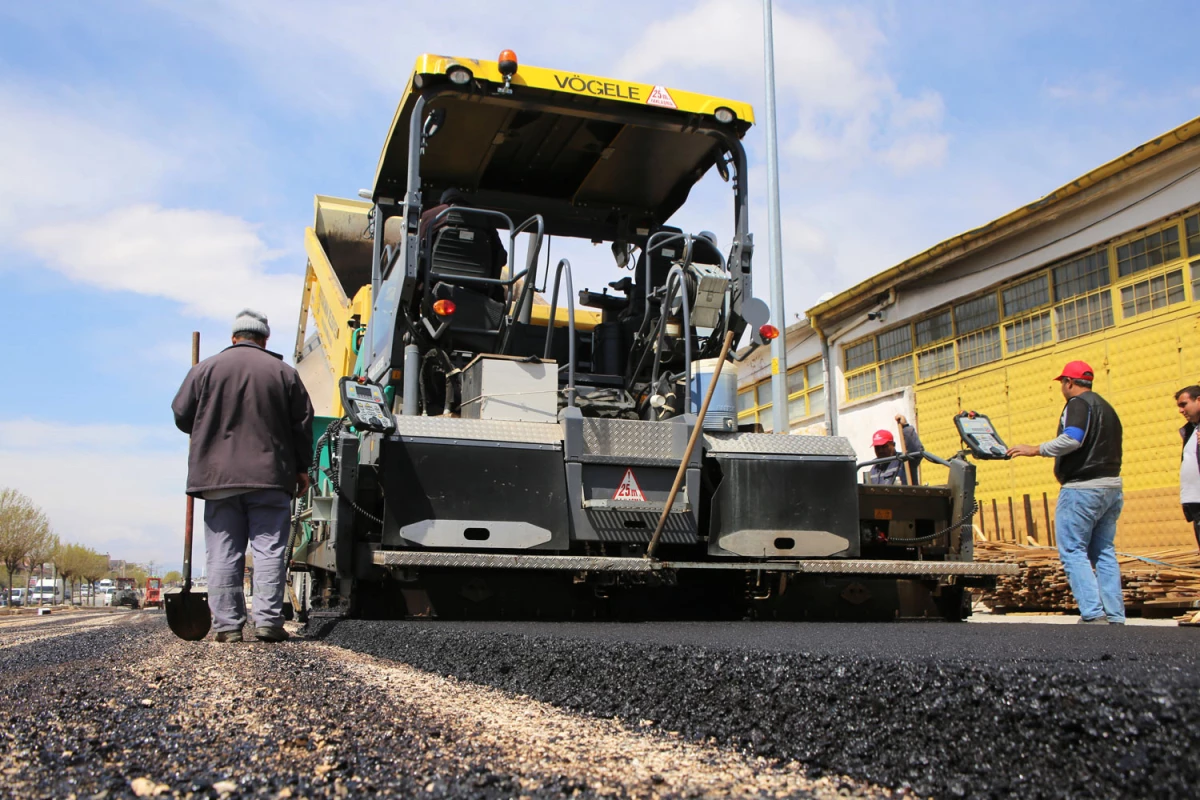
<point x="484" y="212"/>
<point x="531" y="258"/>
<point x="462" y="279"/>
<point x="675" y="279"/>
<point x="913" y="455"/>
<point x="667" y="238"/>
<point x="558" y="271"/>
<point x="650" y="245"/>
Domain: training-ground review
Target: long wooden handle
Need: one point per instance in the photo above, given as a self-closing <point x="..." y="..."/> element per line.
<point x="914" y="470"/>
<point x="691" y="445"/>
<point x="189" y="520"/>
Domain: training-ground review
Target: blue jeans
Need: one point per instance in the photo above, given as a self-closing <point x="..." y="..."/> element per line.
<point x="1086" y="522"/>
<point x="262" y="520"/>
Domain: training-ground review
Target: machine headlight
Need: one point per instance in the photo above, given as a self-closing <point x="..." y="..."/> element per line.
<point x="724" y="115"/>
<point x="459" y="75"/>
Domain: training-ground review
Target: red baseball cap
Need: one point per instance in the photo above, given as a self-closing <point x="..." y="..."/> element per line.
<point x="881" y="438"/>
<point x="1078" y="370"/>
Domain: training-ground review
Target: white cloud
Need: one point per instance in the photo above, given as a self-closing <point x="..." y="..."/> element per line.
<point x="27" y="435"/>
<point x="59" y="161"/>
<point x="836" y="101"/>
<point x="911" y="152"/>
<point x="115" y="488"/>
<point x="329" y="58"/>
<point x="1096" y="88"/>
<point x="79" y="174"/>
<point x="211" y="263"/>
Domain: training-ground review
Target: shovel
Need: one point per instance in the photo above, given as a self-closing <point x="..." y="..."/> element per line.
<point x="187" y="611"/>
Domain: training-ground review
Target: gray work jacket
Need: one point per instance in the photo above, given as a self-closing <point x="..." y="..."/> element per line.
<point x="250" y="420"/>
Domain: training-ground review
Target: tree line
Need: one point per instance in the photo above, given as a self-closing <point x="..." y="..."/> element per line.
<point x="27" y="541"/>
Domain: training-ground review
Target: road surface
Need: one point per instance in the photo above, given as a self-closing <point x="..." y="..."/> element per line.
<point x="110" y="705"/>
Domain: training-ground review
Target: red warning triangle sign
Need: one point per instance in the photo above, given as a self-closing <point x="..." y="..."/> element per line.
<point x="659" y="96"/>
<point x="628" y="488"/>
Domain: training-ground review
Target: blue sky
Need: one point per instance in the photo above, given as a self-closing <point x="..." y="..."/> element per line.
<point x="158" y="162"/>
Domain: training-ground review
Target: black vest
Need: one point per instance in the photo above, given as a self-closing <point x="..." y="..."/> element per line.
<point x="1100" y="454"/>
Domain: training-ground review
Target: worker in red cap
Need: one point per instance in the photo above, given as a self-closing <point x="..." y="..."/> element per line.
<point x="1087" y="462"/>
<point x="885" y="447"/>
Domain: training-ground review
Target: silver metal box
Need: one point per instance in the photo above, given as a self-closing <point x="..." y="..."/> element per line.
<point x="510" y="388"/>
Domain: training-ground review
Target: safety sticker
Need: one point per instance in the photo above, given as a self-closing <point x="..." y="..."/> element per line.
<point x="659" y="96"/>
<point x="628" y="488"/>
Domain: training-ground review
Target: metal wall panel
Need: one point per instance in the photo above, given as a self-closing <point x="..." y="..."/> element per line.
<point x="1140" y="364"/>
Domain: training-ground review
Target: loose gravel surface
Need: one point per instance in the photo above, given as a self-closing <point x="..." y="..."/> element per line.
<point x="947" y="710"/>
<point x="115" y="706"/>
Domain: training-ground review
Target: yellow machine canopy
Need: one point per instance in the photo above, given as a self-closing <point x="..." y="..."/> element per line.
<point x="582" y="151"/>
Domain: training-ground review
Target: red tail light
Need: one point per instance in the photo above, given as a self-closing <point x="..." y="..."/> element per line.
<point x="444" y="308"/>
<point x="768" y="332"/>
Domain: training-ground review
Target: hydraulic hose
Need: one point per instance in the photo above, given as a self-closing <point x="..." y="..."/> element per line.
<point x="328" y="437"/>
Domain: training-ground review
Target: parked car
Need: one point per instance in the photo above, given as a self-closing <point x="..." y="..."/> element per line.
<point x="18" y="597"/>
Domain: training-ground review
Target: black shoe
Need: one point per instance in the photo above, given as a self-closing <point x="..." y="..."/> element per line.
<point x="271" y="633"/>
<point x="1096" y="621"/>
<point x="234" y="635"/>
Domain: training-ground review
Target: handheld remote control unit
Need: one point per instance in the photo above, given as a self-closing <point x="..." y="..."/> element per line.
<point x="980" y="436"/>
<point x="366" y="406"/>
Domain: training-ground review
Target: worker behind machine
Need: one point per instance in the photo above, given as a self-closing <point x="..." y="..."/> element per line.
<point x="889" y="472"/>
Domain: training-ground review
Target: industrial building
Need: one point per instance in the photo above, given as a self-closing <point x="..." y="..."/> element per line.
<point x="1105" y="269"/>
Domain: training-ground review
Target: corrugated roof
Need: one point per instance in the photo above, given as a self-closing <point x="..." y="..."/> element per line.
<point x="976" y="236"/>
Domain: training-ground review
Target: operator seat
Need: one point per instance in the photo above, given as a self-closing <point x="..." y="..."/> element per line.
<point x="705" y="250"/>
<point x="457" y="246"/>
<point x="660" y="264"/>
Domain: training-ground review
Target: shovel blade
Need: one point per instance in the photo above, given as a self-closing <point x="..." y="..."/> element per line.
<point x="187" y="614"/>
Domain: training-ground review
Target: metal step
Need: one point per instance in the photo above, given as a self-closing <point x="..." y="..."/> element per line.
<point x="574" y="563"/>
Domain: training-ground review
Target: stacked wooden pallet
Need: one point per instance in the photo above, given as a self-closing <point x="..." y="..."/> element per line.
<point x="1162" y="578"/>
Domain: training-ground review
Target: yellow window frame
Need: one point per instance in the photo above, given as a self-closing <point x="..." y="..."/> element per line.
<point x="760" y="412"/>
<point x="1144" y="233"/>
<point x="865" y="380"/>
<point x="805" y="392"/>
<point x="1122" y="282"/>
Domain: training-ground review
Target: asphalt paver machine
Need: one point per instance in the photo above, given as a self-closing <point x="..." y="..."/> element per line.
<point x="495" y="444"/>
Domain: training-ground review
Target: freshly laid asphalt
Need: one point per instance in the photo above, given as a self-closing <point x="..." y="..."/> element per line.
<point x="946" y="709"/>
<point x="109" y="705"/>
<point x="116" y="707"/>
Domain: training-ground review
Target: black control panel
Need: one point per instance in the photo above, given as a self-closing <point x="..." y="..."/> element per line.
<point x="980" y="436"/>
<point x="366" y="405"/>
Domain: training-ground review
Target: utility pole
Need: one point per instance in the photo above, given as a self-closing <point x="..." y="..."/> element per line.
<point x="779" y="411"/>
